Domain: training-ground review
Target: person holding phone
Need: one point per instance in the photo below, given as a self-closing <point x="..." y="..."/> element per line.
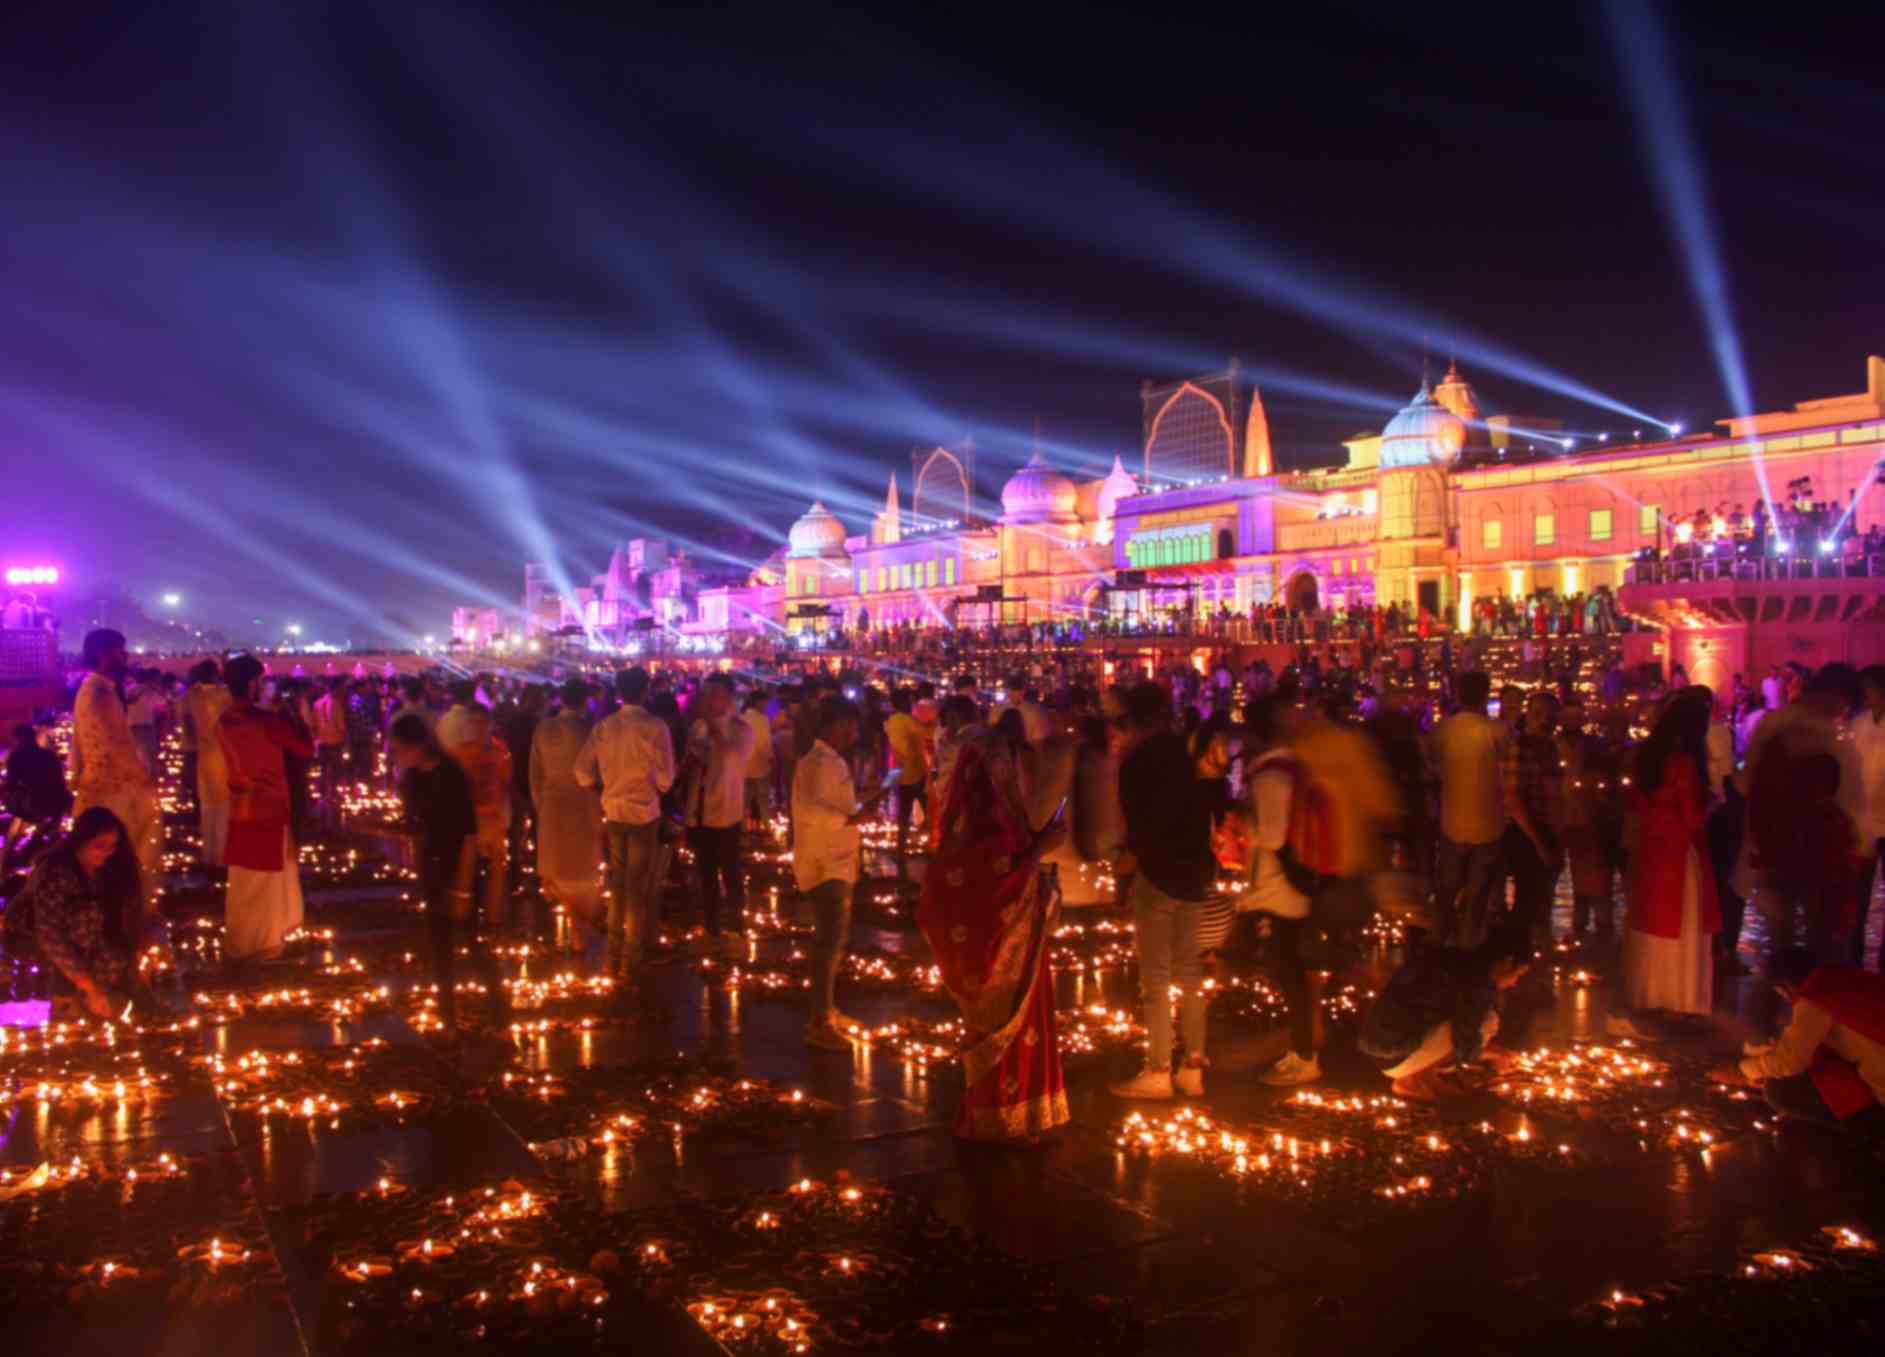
<point x="826" y="850"/>
<point x="990" y="921"/>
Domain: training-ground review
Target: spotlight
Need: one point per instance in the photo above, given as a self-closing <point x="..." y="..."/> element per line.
<point x="1783" y="546"/>
<point x="1826" y="548"/>
<point x="1603" y="438"/>
<point x="1675" y="431"/>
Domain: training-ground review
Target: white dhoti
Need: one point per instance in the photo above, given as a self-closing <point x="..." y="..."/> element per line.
<point x="214" y="822"/>
<point x="262" y="909"/>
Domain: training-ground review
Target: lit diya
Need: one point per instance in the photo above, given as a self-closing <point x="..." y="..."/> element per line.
<point x="1845" y="1237"/>
<point x="215" y="1254"/>
<point x="364" y="1269"/>
<point x="424" y="1250"/>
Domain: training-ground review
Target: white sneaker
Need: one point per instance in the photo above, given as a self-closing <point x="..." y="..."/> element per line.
<point x="1189" y="1081"/>
<point x="1292" y="1069"/>
<point x="1147" y="1083"/>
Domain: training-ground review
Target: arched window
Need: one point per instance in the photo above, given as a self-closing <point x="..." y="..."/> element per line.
<point x="942" y="492"/>
<point x="1190" y="438"/>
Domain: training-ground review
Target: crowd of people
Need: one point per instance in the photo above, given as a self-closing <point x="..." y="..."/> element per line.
<point x="1245" y="817"/>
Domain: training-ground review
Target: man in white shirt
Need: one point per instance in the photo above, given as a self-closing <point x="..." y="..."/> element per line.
<point x="144" y="707"/>
<point x="719" y="751"/>
<point x="1469" y="756"/>
<point x="1774" y="689"/>
<point x="1868" y="733"/>
<point x="630" y="757"/>
<point x="759" y="762"/>
<point x="825" y="855"/>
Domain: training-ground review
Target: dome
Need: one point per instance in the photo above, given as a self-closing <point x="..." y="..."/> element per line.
<point x="1037" y="492"/>
<point x="818" y="533"/>
<point x="1425" y="433"/>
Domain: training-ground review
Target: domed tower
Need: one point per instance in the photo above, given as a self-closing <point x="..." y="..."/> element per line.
<point x="1039" y="494"/>
<point x="1417" y="447"/>
<point x="816" y="566"/>
<point x="818" y="533"/>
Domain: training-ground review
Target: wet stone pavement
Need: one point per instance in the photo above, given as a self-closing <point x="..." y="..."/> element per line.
<point x="299" y="1163"/>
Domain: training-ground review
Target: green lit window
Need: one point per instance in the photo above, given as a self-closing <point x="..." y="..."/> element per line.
<point x="949" y="571"/>
<point x="1600" y="525"/>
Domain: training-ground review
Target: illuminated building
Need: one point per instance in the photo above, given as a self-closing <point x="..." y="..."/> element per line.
<point x="1444" y="505"/>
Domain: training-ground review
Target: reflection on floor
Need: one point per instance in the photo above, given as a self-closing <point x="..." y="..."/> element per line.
<point x="315" y="1170"/>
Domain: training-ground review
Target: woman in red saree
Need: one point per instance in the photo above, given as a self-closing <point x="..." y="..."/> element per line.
<point x="990" y="923"/>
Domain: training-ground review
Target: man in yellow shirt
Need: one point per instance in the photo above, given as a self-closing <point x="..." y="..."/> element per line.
<point x="907" y="740"/>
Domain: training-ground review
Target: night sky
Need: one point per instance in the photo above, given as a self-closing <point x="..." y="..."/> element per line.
<point x="338" y="314"/>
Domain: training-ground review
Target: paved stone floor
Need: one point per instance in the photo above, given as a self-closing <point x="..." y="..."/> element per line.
<point x="1506" y="1235"/>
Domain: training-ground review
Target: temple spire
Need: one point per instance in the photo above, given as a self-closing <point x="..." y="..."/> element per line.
<point x="1257" y="458"/>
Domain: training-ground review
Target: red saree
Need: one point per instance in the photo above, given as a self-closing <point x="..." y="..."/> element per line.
<point x="989" y="923"/>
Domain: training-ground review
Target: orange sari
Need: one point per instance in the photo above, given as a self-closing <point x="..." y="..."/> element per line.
<point x="990" y="924"/>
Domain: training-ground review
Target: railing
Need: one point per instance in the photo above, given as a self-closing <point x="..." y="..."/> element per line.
<point x="1692" y="569"/>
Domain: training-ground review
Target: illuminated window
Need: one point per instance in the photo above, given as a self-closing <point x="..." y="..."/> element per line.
<point x="929" y="572"/>
<point x="1354" y="566"/>
<point x="1335" y="566"/>
<point x="883" y="579"/>
<point x="1493" y="534"/>
<point x="949" y="571"/>
<point x="1544" y="529"/>
<point x="909" y="576"/>
<point x="1648" y="516"/>
<point x="1600" y="525"/>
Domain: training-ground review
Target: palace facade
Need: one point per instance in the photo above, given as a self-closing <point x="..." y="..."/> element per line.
<point x="1446" y="504"/>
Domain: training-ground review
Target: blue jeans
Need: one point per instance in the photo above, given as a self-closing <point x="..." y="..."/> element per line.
<point x="1462" y="890"/>
<point x="831" y="915"/>
<point x="1167" y="933"/>
<point x="634" y="901"/>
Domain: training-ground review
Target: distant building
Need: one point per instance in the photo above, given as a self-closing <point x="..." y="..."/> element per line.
<point x="1444" y="505"/>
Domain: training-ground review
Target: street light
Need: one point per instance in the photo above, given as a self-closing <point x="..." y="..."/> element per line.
<point x="294" y="628"/>
<point x="172" y="600"/>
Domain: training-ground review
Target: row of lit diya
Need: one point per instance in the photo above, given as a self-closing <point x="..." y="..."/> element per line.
<point x="1821" y="1295"/>
<point x="815" y="1266"/>
<point x="164" y="1232"/>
